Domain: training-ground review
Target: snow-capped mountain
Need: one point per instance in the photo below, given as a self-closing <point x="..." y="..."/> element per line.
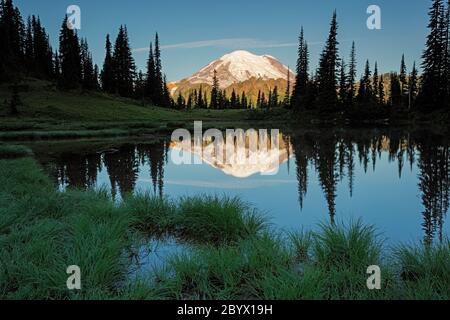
<point x="235" y="70"/>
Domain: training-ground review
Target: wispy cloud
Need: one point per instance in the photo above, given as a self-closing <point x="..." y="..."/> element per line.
<point x="243" y="184"/>
<point x="230" y="43"/>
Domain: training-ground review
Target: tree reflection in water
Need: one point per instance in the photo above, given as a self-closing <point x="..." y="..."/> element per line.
<point x="332" y="154"/>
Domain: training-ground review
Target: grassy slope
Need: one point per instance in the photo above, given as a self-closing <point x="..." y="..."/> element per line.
<point x="43" y="231"/>
<point x="46" y="108"/>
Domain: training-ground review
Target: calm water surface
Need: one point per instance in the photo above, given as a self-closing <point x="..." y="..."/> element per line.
<point x="397" y="181"/>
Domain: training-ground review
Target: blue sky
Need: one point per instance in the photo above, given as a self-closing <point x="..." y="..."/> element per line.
<point x="195" y="32"/>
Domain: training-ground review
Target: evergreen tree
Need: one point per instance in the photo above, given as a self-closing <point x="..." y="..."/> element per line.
<point x="151" y="83"/>
<point x="258" y="100"/>
<point x="381" y="94"/>
<point x="29" y="47"/>
<point x="205" y="100"/>
<point x="432" y="95"/>
<point x="244" y="101"/>
<point x="200" y="103"/>
<point x="343" y="84"/>
<point x="181" y="102"/>
<point x="215" y="92"/>
<point x="56" y="67"/>
<point x="124" y="67"/>
<point x="263" y="101"/>
<point x="88" y="76"/>
<point x="365" y="94"/>
<point x="327" y="75"/>
<point x="376" y="86"/>
<point x="234" y="99"/>
<point x="12" y="35"/>
<point x="96" y="78"/>
<point x="70" y="57"/>
<point x="139" y="87"/>
<point x="167" y="100"/>
<point x="302" y="76"/>
<point x="273" y="103"/>
<point x="413" y="86"/>
<point x="352" y="76"/>
<point x="287" y="94"/>
<point x="396" y="90"/>
<point x="223" y="100"/>
<point x="107" y="75"/>
<point x="403" y="81"/>
<point x="190" y="101"/>
<point x="238" y="101"/>
<point x="42" y="52"/>
<point x="159" y="85"/>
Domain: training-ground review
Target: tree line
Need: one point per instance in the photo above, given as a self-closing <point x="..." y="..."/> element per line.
<point x="219" y="99"/>
<point x="25" y="51"/>
<point x="334" y="86"/>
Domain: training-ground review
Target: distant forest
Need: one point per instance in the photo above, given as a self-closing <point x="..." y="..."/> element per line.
<point x="333" y="88"/>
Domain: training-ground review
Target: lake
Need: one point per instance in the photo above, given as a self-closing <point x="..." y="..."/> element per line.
<point x="397" y="180"/>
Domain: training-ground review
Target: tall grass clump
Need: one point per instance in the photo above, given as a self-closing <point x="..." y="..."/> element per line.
<point x="346" y="246"/>
<point x="152" y="215"/>
<point x="214" y="220"/>
<point x="343" y="253"/>
<point x="425" y="270"/>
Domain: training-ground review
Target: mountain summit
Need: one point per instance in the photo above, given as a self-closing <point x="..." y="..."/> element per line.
<point x="236" y="69"/>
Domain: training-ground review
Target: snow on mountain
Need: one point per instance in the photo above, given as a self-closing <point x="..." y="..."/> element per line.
<point x="239" y="66"/>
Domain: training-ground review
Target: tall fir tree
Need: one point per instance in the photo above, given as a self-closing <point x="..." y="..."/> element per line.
<point x="327" y="75"/>
<point x="352" y="76"/>
<point x="88" y="77"/>
<point x="12" y="35"/>
<point x="432" y="94"/>
<point x="29" y="47"/>
<point x="139" y="87"/>
<point x="159" y="86"/>
<point x="70" y="57"/>
<point x="42" y="51"/>
<point x="381" y="93"/>
<point x="107" y="74"/>
<point x="124" y="66"/>
<point x="365" y="93"/>
<point x="299" y="91"/>
<point x="287" y="94"/>
<point x="396" y="90"/>
<point x="244" y="101"/>
<point x="343" y="85"/>
<point x="403" y="81"/>
<point x="413" y="86"/>
<point x="151" y="83"/>
<point x="167" y="100"/>
<point x="258" y="100"/>
<point x="56" y="67"/>
<point x="376" y="86"/>
<point x="215" y="92"/>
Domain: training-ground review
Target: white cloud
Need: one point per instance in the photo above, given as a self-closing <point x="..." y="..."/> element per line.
<point x="230" y="43"/>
